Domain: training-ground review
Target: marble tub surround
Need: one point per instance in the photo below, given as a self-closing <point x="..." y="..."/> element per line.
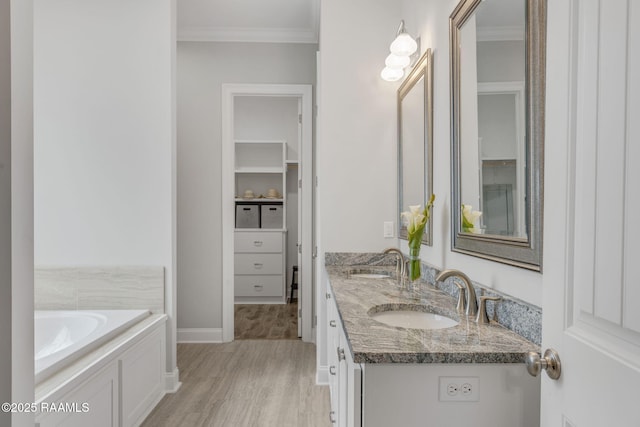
<point x="99" y="287"/>
<point x="373" y="342"/>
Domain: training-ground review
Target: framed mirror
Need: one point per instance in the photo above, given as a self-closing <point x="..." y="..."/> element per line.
<point x="497" y="129"/>
<point x="415" y="142"/>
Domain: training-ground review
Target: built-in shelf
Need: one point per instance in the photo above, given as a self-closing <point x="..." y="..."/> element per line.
<point x="258" y="200"/>
<point x="260" y="170"/>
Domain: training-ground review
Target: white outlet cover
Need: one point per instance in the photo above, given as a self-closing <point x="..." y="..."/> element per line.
<point x="468" y="389"/>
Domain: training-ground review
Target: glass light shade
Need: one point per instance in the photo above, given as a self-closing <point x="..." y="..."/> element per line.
<point x="403" y="45"/>
<point x="395" y="61"/>
<point x="392" y="74"/>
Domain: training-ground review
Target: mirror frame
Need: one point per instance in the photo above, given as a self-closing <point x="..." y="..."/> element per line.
<point x="516" y="251"/>
<point x="422" y="68"/>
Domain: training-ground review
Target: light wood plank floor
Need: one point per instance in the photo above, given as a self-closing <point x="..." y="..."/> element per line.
<point x="253" y="383"/>
<point x="266" y="321"/>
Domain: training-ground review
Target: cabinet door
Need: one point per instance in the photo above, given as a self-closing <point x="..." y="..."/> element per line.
<point x="332" y="355"/>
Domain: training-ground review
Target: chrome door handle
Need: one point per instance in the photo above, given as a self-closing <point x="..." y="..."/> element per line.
<point x="341" y="355"/>
<point x="332" y="323"/>
<point x="550" y="363"/>
<point x="332" y="370"/>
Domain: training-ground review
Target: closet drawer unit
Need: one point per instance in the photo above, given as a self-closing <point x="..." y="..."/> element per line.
<point x="259" y="286"/>
<point x="258" y="264"/>
<point x="258" y="242"/>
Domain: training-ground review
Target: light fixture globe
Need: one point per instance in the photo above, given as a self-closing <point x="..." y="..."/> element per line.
<point x="392" y="74"/>
<point x="403" y="45"/>
<point x="395" y="61"/>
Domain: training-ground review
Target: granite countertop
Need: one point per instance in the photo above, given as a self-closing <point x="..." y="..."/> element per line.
<point x="374" y="342"/>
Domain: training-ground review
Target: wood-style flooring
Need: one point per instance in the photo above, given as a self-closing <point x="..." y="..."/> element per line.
<point x="266" y="321"/>
<point x="252" y="383"/>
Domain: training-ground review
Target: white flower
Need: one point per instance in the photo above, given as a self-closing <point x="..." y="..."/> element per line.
<point x="414" y="218"/>
<point x="469" y="218"/>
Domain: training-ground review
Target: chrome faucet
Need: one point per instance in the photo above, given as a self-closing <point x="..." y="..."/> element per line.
<point x="400" y="262"/>
<point x="472" y="302"/>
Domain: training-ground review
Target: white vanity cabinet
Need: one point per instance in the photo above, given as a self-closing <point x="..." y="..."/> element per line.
<point x="424" y="394"/>
<point x="345" y="381"/>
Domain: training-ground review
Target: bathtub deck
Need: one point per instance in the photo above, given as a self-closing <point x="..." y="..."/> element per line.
<point x="245" y="383"/>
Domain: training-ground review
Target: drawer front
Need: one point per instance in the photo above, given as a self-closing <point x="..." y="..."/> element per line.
<point x="258" y="242"/>
<point x="258" y="264"/>
<point x="259" y="286"/>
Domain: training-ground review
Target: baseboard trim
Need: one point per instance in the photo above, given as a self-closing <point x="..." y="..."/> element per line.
<point x="200" y="335"/>
<point x="322" y="375"/>
<point x="172" y="381"/>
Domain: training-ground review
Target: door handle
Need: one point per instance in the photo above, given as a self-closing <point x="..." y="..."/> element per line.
<point x="550" y="363"/>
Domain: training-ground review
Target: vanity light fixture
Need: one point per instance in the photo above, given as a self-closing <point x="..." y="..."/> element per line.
<point x="402" y="47"/>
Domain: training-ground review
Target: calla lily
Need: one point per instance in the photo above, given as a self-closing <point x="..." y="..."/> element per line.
<point x="416" y="221"/>
<point x="469" y="218"/>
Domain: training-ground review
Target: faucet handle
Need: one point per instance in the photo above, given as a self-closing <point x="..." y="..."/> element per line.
<point x="482" y="317"/>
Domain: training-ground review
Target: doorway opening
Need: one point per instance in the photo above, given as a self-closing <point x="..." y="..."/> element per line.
<point x="267" y="211"/>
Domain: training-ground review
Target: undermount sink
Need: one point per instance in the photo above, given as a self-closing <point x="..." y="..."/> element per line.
<point x="411" y="316"/>
<point x="369" y="274"/>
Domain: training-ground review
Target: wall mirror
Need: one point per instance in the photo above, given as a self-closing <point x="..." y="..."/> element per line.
<point x="497" y="129"/>
<point x="415" y="141"/>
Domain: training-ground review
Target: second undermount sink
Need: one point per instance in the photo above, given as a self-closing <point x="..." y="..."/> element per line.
<point x="411" y="316"/>
<point x="369" y="274"/>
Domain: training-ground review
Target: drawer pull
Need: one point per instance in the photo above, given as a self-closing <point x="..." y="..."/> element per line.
<point x="257" y="265"/>
<point x="332" y="323"/>
<point x="257" y="243"/>
<point x="332" y="370"/>
<point x="258" y="288"/>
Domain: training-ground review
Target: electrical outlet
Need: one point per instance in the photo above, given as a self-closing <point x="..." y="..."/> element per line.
<point x="388" y="229"/>
<point x="459" y="389"/>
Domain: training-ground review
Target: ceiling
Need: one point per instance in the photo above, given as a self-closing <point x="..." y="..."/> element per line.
<point x="270" y="21"/>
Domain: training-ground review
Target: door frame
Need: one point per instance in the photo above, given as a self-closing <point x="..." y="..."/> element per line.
<point x="305" y="158"/>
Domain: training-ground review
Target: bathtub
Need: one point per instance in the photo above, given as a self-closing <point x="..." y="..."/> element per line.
<point x="62" y="337"/>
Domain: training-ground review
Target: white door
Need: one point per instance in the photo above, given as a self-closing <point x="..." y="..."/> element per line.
<point x="591" y="280"/>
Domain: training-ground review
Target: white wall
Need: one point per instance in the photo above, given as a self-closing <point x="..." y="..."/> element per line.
<point x="357" y="150"/>
<point x="202" y="68"/>
<point x="5" y="207"/>
<point x="430" y="20"/>
<point x="21" y="343"/>
<point x="104" y="136"/>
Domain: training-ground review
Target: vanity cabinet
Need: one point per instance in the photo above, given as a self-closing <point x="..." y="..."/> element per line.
<point x="380" y="375"/>
<point x="345" y="380"/>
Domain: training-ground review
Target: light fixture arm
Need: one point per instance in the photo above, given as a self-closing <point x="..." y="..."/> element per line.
<point x="401" y="28"/>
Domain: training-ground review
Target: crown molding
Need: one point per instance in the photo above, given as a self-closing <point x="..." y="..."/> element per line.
<point x="308" y="34"/>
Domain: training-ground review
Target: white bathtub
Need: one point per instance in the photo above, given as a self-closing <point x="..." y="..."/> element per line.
<point x="62" y="337"/>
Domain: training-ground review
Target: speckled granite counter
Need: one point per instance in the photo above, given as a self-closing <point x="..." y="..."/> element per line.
<point x="374" y="342"/>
